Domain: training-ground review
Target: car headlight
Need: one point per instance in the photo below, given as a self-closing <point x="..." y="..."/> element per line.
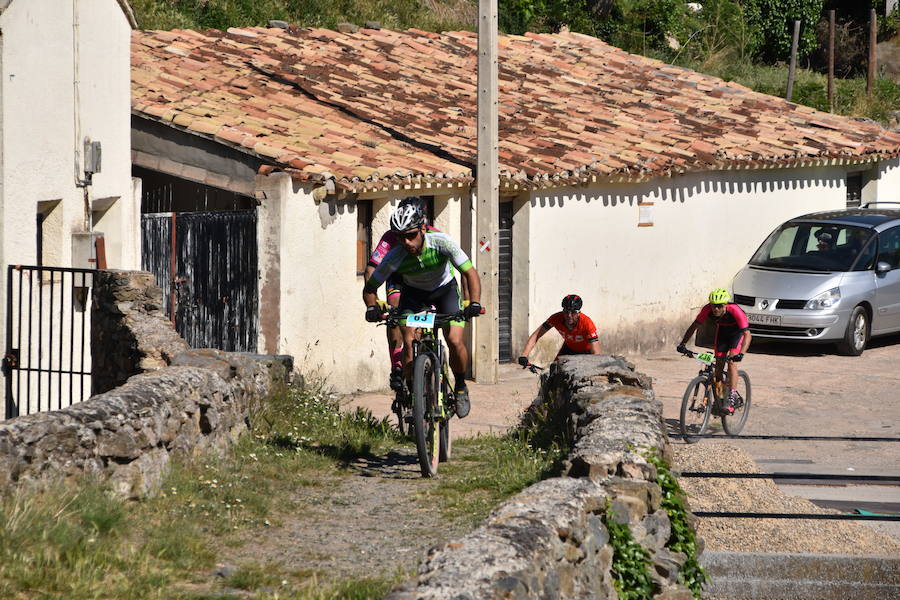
<point x="827" y="299"/>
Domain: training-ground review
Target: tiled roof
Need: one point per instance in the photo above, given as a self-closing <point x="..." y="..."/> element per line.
<point x="380" y="108"/>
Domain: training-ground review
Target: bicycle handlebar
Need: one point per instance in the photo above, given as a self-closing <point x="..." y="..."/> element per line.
<point x="394" y="316"/>
<point x="533" y="368"/>
<point x="692" y="354"/>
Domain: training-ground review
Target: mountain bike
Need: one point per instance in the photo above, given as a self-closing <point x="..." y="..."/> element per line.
<point x="430" y="404"/>
<point x="704" y="396"/>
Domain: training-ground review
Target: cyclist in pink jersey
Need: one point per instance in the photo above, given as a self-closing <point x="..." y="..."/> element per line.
<point x="732" y="337"/>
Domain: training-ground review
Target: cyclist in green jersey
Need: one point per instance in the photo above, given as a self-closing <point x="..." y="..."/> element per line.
<point x="423" y="262"/>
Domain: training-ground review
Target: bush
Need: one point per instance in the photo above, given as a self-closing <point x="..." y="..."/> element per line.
<point x="773" y="22"/>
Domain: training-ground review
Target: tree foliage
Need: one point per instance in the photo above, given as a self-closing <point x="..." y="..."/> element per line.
<point x="773" y="25"/>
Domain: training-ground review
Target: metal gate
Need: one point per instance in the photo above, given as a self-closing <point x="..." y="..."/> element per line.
<point x="206" y="264"/>
<point x="47" y="364"/>
<point x="504" y="288"/>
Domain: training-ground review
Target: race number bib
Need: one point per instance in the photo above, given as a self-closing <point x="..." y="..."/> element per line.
<point x="705" y="357"/>
<point x="425" y="320"/>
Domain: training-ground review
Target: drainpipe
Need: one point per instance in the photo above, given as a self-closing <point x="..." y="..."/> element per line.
<point x="82" y="179"/>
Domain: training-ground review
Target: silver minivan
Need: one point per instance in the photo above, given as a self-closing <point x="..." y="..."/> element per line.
<point x="825" y="277"/>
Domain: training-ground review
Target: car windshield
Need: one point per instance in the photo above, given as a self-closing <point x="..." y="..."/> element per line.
<point x="816" y="247"/>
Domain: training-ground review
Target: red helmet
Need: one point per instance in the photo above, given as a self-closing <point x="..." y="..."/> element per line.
<point x="571" y="303"/>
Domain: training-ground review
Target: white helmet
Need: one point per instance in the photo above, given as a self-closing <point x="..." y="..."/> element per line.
<point x="406" y="217"/>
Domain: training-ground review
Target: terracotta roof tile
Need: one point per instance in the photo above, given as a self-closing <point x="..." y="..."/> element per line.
<point x="380" y="107"/>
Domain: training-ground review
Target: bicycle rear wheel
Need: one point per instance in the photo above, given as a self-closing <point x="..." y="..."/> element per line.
<point x="734" y="423"/>
<point x="426" y="414"/>
<point x="399" y="407"/>
<point x="444" y="443"/>
<point x="695" y="408"/>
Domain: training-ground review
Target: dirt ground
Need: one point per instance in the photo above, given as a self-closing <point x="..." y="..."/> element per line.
<point x="370" y="521"/>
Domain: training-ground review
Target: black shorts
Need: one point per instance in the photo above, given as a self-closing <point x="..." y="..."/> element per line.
<point x="727" y="339"/>
<point x="566" y="351"/>
<point x="445" y="299"/>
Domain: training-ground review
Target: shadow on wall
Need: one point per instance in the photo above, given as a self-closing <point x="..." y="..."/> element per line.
<point x="680" y="189"/>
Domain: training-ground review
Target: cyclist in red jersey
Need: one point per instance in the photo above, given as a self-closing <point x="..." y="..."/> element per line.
<point x="732" y="336"/>
<point x="577" y="329"/>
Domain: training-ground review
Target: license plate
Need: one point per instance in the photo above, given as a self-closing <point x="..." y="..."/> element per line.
<point x="764" y="319"/>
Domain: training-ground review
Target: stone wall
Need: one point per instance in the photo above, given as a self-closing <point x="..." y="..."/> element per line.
<point x="550" y="540"/>
<point x="129" y="332"/>
<point x="176" y="401"/>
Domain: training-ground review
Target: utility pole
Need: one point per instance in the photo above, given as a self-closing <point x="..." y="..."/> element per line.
<point x="873" y="52"/>
<point x="831" y="60"/>
<point x="487" y="208"/>
<point x="793" y="65"/>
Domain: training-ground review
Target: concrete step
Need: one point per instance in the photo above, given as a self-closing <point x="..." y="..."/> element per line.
<point x="759" y="576"/>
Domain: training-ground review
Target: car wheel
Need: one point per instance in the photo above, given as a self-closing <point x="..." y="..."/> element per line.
<point x="857" y="335"/>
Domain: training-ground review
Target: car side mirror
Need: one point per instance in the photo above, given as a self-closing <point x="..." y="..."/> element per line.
<point x="882" y="267"/>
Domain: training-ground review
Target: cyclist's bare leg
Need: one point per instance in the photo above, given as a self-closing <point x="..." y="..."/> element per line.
<point x="459" y="354"/>
<point x="732" y="375"/>
<point x="407" y="334"/>
<point x="394" y="336"/>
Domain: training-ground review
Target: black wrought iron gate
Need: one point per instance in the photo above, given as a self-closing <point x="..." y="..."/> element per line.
<point x="47" y="364"/>
<point x="206" y="264"/>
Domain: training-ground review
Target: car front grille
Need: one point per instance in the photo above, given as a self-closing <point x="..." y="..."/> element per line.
<point x="744" y="300"/>
<point x="791" y="303"/>
<point x="798" y="332"/>
<point x="751" y="301"/>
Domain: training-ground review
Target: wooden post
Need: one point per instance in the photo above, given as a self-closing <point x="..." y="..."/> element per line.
<point x="831" y="60"/>
<point x="873" y="52"/>
<point x="794" y="42"/>
<point x="487" y="204"/>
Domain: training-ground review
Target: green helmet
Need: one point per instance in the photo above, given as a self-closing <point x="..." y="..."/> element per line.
<point x="719" y="296"/>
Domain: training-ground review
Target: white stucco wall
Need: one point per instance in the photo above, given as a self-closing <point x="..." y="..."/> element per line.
<point x="888" y="180"/>
<point x="48" y="45"/>
<point x="642" y="284"/>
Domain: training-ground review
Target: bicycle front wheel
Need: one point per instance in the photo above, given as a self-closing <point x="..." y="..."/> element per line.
<point x="426" y="413"/>
<point x="444" y="444"/>
<point x="695" y="408"/>
<point x="734" y="423"/>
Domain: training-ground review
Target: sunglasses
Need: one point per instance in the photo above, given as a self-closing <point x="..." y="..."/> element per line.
<point x="410" y="235"/>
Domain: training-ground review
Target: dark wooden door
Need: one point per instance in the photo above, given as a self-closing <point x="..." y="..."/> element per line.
<point x="208" y="272"/>
<point x="505" y="281"/>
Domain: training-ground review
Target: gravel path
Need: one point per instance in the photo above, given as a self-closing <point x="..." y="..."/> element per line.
<point x="761" y="495"/>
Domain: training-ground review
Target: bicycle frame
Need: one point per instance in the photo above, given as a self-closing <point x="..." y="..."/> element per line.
<point x="430" y="343"/>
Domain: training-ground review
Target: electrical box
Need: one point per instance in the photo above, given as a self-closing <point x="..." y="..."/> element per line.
<point x="84" y="249"/>
<point x="92" y="157"/>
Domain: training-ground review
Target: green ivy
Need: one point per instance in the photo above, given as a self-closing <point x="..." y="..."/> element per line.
<point x="683" y="538"/>
<point x="630" y="564"/>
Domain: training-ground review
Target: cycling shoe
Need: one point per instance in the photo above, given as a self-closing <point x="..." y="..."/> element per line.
<point x="462" y="402"/>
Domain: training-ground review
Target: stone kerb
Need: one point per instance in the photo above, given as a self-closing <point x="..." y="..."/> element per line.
<point x="176" y="401"/>
<point x="550" y="540"/>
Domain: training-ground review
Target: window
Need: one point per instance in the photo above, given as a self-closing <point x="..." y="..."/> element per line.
<point x="429" y="208"/>
<point x="889" y="247"/>
<point x="363" y="234"/>
<point x="48" y="234"/>
<point x="854" y="189"/>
